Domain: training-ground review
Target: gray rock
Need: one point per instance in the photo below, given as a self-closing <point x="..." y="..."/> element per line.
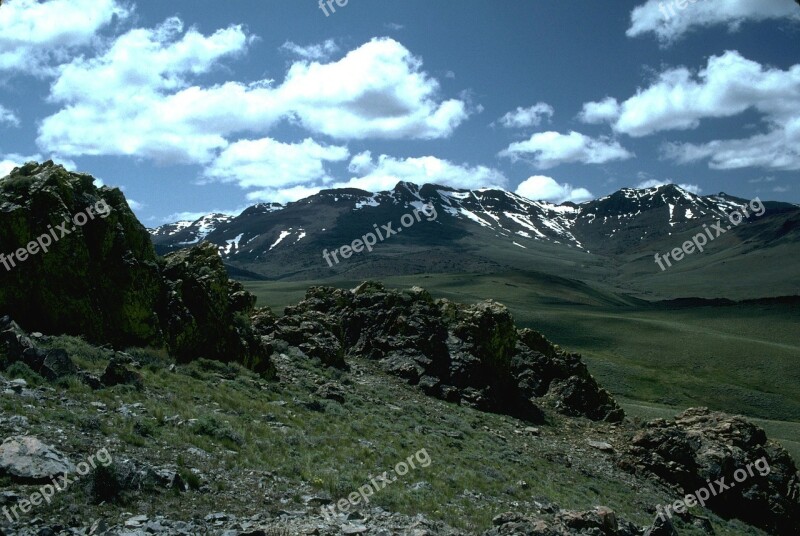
<point x="27" y="459"/>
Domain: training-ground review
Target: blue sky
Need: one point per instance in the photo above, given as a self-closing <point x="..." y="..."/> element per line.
<point x="193" y="106"/>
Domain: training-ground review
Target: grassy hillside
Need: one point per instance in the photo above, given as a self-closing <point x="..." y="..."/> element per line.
<point x="739" y="359"/>
<point x="247" y="446"/>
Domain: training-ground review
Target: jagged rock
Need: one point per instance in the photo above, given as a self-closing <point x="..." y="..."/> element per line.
<point x="57" y="364"/>
<point x="27" y="459"/>
<point x="99" y="280"/>
<point x="701" y="446"/>
<point x="601" y="521"/>
<point x="117" y="374"/>
<point x="662" y="526"/>
<point x="102" y="280"/>
<point x="468" y="354"/>
<point x="206" y="314"/>
<point x="331" y="391"/>
<point x="15" y="345"/>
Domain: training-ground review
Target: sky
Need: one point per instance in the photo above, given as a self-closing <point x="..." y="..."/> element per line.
<point x="193" y="106"/>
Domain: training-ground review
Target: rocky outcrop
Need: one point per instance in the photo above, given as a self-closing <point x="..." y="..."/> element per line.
<point x="746" y="476"/>
<point x="600" y="521"/>
<point x="16" y="346"/>
<point x="99" y="279"/>
<point x="205" y="314"/>
<point x="468" y="354"/>
<point x="91" y="270"/>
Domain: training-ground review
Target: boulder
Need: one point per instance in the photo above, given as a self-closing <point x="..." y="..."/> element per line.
<point x="27" y="459"/>
<point x="700" y="447"/>
<point x="117" y="374"/>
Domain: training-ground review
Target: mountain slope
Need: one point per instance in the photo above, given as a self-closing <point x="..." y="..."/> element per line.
<point x="611" y="239"/>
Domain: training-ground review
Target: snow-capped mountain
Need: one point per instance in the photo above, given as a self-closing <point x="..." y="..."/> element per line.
<point x="187" y="232"/>
<point x="284" y="240"/>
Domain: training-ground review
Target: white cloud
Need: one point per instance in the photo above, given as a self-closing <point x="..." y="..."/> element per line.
<point x="135" y="205"/>
<point x="654" y="183"/>
<point x="778" y="149"/>
<point x="376" y="91"/>
<point x="34" y="33"/>
<point x="12" y="160"/>
<point x="541" y="187"/>
<point x="729" y="85"/>
<point x="278" y="170"/>
<point x="549" y="149"/>
<point x="8" y="117"/>
<point x="319" y="51"/>
<point x="527" y="117"/>
<point x="386" y="171"/>
<point x="136" y="98"/>
<point x="761" y="179"/>
<point x="605" y="111"/>
<point x="669" y="22"/>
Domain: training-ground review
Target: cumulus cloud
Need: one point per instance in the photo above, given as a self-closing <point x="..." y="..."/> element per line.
<point x="527" y="117"/>
<point x="376" y="91"/>
<point x="541" y="187"/>
<point x="137" y="97"/>
<point x="729" y="85"/>
<point x="33" y="33"/>
<point x="604" y="111"/>
<point x="778" y="149"/>
<point x="654" y="183"/>
<point x="384" y="172"/>
<point x="8" y="117"/>
<point x="550" y="149"/>
<point x="134" y="99"/>
<point x="318" y="51"/>
<point x="669" y="22"/>
<point x="271" y="166"/>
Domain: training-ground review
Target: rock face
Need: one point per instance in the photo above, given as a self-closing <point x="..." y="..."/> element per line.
<point x="701" y="447"/>
<point x="473" y="355"/>
<point x="206" y="314"/>
<point x="27" y="459"/>
<point x="102" y="279"/>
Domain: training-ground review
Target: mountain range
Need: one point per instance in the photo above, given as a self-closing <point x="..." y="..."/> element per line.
<point x="609" y="241"/>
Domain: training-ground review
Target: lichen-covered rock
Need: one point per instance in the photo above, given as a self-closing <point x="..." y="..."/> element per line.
<point x="468" y="354"/>
<point x="103" y="281"/>
<point x="205" y="314"/>
<point x="700" y="447"/>
<point x="100" y="280"/>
